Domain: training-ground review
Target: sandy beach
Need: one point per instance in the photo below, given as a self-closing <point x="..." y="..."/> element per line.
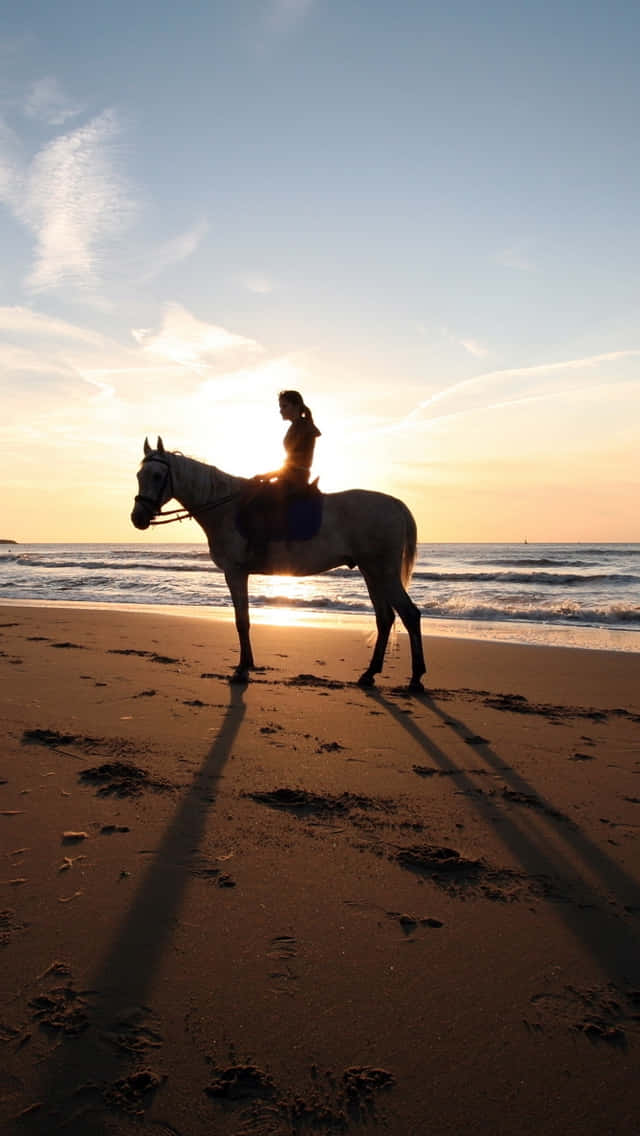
<point x="303" y="907"/>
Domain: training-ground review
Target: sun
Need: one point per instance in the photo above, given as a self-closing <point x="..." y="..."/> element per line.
<point x="239" y="440"/>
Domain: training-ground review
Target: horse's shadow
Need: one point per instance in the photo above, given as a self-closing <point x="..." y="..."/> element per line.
<point x="125" y="977"/>
<point x="552" y="846"/>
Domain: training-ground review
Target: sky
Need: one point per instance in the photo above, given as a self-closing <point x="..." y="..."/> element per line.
<point x="423" y="216"/>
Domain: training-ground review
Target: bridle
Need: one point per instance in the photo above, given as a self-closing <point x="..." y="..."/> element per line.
<point x="170" y="515"/>
<point x="154" y="504"/>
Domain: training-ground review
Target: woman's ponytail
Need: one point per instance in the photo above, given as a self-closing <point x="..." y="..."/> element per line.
<point x="296" y="398"/>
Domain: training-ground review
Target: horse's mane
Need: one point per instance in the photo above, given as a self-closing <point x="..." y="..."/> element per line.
<point x="206" y="469"/>
<point x="193" y="458"/>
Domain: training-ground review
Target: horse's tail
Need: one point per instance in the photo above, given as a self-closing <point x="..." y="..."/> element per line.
<point x="409" y="548"/>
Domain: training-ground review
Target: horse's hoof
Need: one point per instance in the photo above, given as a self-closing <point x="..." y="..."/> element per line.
<point x="239" y="677"/>
<point x="416" y="687"/>
<point x="366" y="679"/>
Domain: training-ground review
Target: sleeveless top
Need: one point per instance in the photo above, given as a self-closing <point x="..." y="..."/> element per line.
<point x="299" y="444"/>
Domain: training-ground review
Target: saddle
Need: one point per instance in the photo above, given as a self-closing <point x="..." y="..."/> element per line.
<point x="270" y="513"/>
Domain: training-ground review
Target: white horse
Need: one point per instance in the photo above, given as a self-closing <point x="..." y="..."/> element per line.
<point x="363" y="529"/>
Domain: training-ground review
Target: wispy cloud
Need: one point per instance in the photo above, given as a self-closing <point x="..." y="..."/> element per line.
<point x="50" y="349"/>
<point x="258" y="283"/>
<point x="177" y="371"/>
<point x="475" y="348"/>
<point x="15" y="358"/>
<point x="22" y="321"/>
<point x="48" y="102"/>
<point x="508" y="387"/>
<point x="191" y="342"/>
<point x="470" y="344"/>
<point x="73" y="199"/>
<point x="491" y="383"/>
<point x="175" y="250"/>
<point x="586" y="361"/>
<point x="10" y="165"/>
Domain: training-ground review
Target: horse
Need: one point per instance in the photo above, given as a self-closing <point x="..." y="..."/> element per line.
<point x="360" y="528"/>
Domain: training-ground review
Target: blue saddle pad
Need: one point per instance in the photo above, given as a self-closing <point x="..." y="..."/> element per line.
<point x="265" y="518"/>
<point x="304" y="516"/>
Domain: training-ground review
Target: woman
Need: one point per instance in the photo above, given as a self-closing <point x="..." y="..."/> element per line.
<point x="265" y="515"/>
<point x="299" y="444"/>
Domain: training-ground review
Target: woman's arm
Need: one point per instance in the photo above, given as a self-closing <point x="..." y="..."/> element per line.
<point x="267" y="476"/>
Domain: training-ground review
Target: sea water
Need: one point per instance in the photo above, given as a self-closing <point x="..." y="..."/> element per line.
<point x="573" y="594"/>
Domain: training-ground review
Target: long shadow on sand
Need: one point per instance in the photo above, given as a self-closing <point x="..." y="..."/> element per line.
<point x="587" y="883"/>
<point x="84" y="1070"/>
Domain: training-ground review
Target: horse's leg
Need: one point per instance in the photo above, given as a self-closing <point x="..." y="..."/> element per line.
<point x="385" y="616"/>
<point x="410" y="616"/>
<point x="238" y="584"/>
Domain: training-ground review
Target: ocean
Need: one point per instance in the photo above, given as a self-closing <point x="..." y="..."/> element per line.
<point x="585" y="595"/>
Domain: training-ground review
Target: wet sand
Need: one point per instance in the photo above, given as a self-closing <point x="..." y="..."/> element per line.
<point x="300" y="906"/>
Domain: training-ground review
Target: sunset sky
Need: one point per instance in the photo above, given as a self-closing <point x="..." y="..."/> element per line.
<point x="423" y="216"/>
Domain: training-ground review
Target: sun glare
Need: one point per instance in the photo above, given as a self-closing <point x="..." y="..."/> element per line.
<point x="297" y="589"/>
<point x="282" y="601"/>
<point x="241" y="446"/>
<point x="248" y="439"/>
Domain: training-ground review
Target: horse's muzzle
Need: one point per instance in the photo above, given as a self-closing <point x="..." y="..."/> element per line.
<point x="140" y="517"/>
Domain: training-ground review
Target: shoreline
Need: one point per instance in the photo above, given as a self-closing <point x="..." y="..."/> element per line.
<point x="516" y="632"/>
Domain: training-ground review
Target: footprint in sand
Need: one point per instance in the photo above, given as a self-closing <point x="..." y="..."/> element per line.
<point x="327" y="1105"/>
<point x="283" y="949"/>
<point x="10" y="925"/>
<point x="203" y="868"/>
<point x="241" y="1083"/>
<point x="410" y="923"/>
<point x="329" y="747"/>
<point x="134" y="1093"/>
<point x="62" y="1010"/>
<point x="121" y="779"/>
<point x="606" y="1014"/>
<point x="135" y="1031"/>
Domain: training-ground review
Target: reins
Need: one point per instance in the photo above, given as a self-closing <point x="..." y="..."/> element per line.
<point x="172" y="515"/>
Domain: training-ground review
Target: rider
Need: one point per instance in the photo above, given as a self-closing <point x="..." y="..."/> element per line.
<point x="299" y="444"/>
<point x="268" y="505"/>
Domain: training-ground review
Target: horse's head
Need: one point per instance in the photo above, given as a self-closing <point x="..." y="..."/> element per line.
<point x="155" y="485"/>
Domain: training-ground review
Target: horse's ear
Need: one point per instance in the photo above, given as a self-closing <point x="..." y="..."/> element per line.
<point x="147" y="448"/>
<point x="160" y="447"/>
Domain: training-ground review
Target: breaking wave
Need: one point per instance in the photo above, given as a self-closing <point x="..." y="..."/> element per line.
<point x="546" y="585"/>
